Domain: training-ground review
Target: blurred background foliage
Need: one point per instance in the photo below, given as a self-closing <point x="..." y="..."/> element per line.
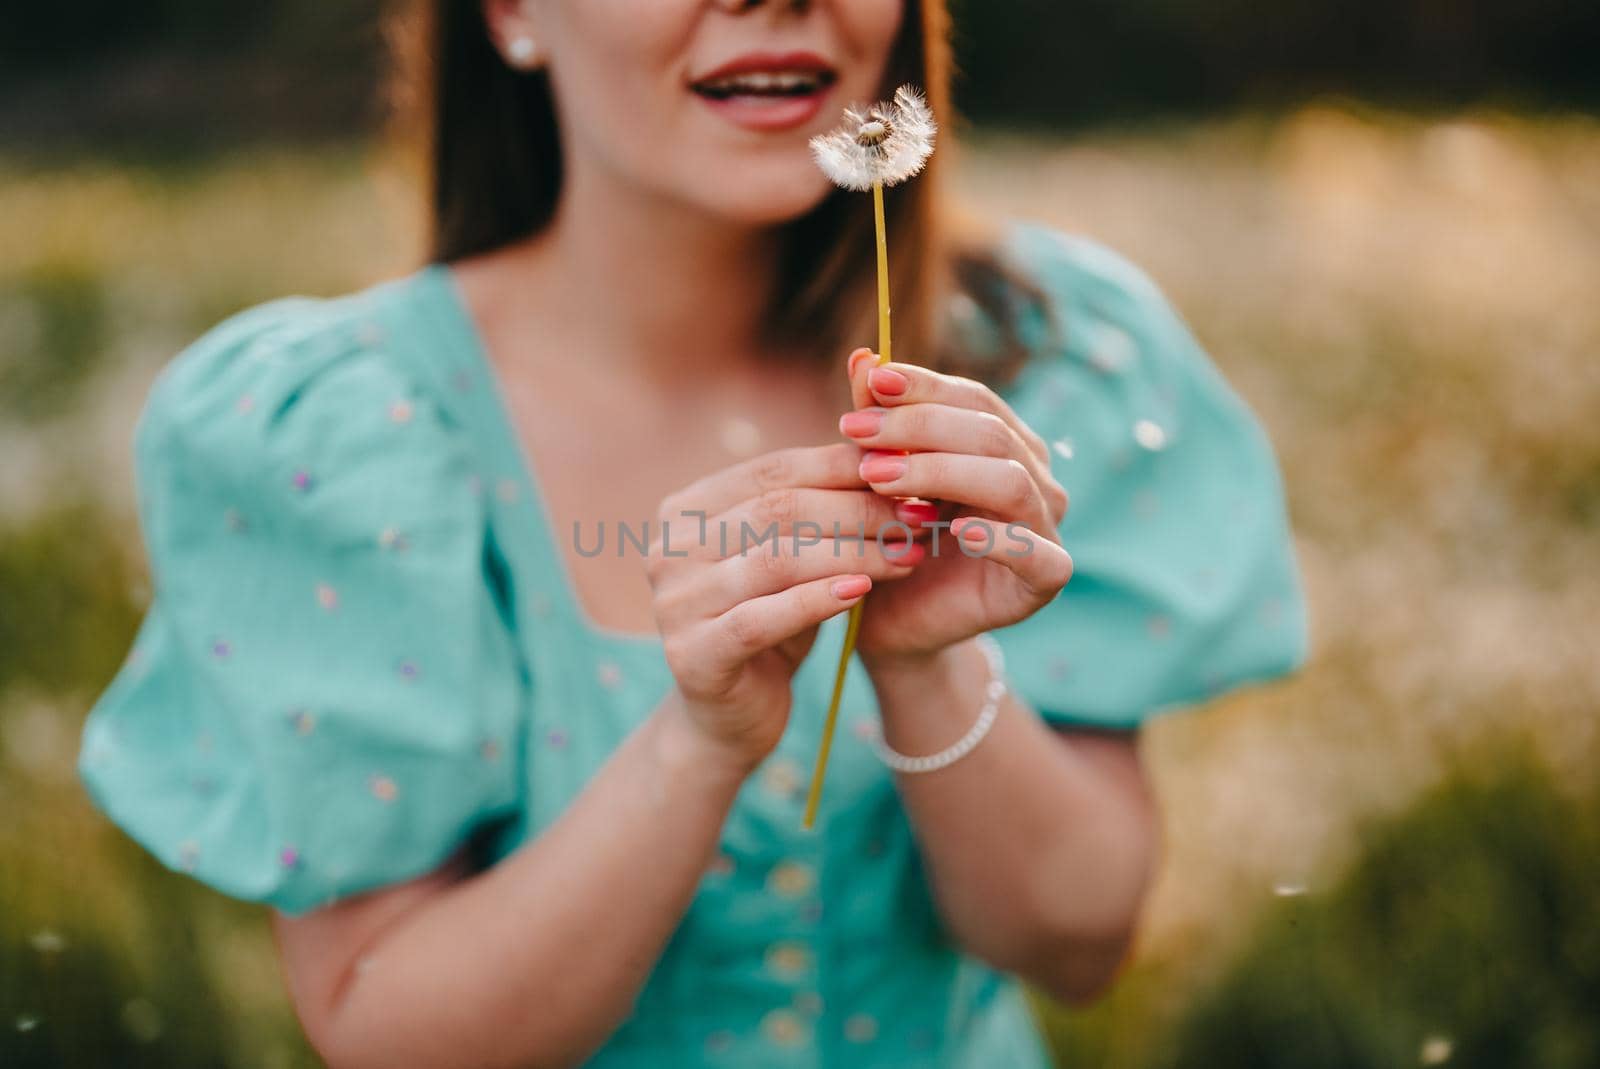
<point x="192" y="71"/>
<point x="1383" y="220"/>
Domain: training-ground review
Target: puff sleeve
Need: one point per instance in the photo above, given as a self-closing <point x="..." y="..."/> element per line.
<point x="1185" y="581"/>
<point x="323" y="694"/>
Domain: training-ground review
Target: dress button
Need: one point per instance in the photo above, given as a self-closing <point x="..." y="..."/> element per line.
<point x="861" y="1028"/>
<point x="791" y="879"/>
<point x="788" y="959"/>
<point x="784" y="1027"/>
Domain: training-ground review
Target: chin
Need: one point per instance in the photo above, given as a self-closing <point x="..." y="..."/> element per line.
<point x="767" y="200"/>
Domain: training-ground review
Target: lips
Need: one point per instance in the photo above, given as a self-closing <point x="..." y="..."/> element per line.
<point x="767" y="74"/>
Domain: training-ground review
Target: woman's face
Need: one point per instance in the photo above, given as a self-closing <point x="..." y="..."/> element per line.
<point x="707" y="103"/>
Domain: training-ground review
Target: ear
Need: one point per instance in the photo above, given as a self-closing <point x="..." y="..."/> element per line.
<point x="514" y="35"/>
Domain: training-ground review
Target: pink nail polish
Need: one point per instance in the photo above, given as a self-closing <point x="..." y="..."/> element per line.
<point x="883" y="469"/>
<point x="972" y="531"/>
<point x="916" y="512"/>
<point x="887" y="382"/>
<point x="861" y="424"/>
<point x="908" y="553"/>
<point x="850" y="587"/>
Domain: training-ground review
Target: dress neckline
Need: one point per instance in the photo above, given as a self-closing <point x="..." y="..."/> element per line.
<point x="468" y="342"/>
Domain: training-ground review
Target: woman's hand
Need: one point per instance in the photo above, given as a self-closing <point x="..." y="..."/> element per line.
<point x="746" y="568"/>
<point x="953" y="443"/>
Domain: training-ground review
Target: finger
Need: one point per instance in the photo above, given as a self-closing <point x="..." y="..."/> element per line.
<point x="856" y="367"/>
<point x="826" y="467"/>
<point x="934" y="427"/>
<point x="775" y="566"/>
<point x="804" y="513"/>
<point x="1042" y="565"/>
<point x="1002" y="486"/>
<point x="916" y="513"/>
<point x="762" y="623"/>
<point x="895" y="384"/>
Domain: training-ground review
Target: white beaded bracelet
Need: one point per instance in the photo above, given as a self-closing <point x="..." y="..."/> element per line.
<point x="992" y="694"/>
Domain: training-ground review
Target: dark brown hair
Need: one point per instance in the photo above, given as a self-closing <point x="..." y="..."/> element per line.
<point x="493" y="167"/>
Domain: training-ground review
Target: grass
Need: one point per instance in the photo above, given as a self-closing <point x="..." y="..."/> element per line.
<point x="1407" y="302"/>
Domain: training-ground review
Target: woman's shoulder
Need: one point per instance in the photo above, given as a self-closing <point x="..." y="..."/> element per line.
<point x="325" y="634"/>
<point x="272" y="350"/>
<point x="295" y="384"/>
<point x="1185" y="580"/>
<point x="1090" y="301"/>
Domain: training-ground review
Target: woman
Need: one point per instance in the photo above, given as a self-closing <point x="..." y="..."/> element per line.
<point x="518" y="800"/>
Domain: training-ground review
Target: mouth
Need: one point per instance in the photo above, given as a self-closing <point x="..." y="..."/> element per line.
<point x="765" y="83"/>
<point x="767" y="90"/>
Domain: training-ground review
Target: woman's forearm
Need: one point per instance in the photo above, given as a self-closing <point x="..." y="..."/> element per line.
<point x="1039" y="846"/>
<point x="537" y="960"/>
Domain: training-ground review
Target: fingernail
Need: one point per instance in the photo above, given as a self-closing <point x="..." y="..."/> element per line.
<point x="905" y="552"/>
<point x="863" y="423"/>
<point x="972" y="531"/>
<point x="884" y="381"/>
<point x="882" y="469"/>
<point x="916" y="512"/>
<point x="850" y="587"/>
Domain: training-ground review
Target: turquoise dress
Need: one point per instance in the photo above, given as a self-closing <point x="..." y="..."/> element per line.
<point x="364" y="650"/>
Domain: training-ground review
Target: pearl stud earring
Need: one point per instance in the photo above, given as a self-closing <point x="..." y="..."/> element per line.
<point x="523" y="52"/>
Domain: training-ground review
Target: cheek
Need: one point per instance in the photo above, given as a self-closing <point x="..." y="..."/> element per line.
<point x="869" y="29"/>
<point x="618" y="73"/>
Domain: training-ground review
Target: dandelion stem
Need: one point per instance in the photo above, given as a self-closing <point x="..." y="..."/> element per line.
<point x="854" y="625"/>
<point x="883" y="273"/>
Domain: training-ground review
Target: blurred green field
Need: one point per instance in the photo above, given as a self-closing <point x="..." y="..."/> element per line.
<point x="1390" y="860"/>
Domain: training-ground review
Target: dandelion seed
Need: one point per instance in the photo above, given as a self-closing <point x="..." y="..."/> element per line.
<point x="1436" y="1050"/>
<point x="884" y="145"/>
<point x="46" y="941"/>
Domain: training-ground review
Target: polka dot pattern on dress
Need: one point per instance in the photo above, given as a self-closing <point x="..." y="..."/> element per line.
<point x="785" y="1028"/>
<point x="1150" y="435"/>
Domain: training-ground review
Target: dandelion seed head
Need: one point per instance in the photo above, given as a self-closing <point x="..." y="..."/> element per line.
<point x="887" y="143"/>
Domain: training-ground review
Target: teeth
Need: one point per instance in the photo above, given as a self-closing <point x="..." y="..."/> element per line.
<point x="764" y="82"/>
